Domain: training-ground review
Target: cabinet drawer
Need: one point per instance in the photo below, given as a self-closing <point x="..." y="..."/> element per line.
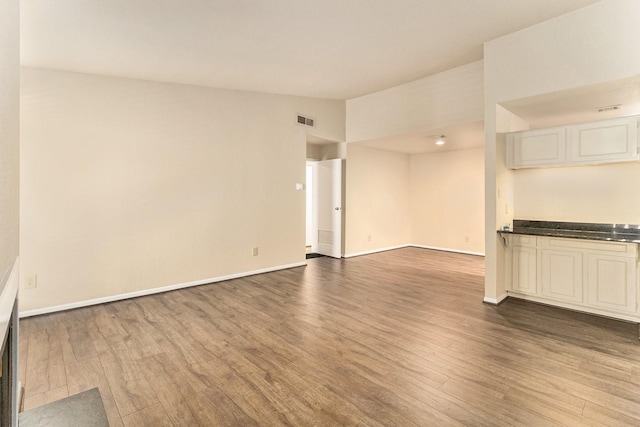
<point x="523" y="240"/>
<point x="591" y="246"/>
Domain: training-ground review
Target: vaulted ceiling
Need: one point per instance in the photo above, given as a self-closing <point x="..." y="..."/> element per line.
<point x="337" y="49"/>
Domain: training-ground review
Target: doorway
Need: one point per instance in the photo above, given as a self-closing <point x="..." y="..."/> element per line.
<point x="309" y="209"/>
<point x="324" y="208"/>
<point x="324" y="199"/>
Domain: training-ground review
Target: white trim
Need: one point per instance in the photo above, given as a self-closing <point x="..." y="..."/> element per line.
<point x="576" y="307"/>
<point x="86" y="303"/>
<point x="495" y="301"/>
<point x="411" y="245"/>
<point x="375" y="251"/>
<point x="8" y="296"/>
<point x="435" y="248"/>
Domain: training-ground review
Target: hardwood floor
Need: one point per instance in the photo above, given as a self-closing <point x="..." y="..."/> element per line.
<point x="396" y="338"/>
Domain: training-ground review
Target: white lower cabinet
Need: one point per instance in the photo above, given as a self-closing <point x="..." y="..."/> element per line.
<point x="561" y="274"/>
<point x="594" y="276"/>
<point x="523" y="270"/>
<point x="611" y="283"/>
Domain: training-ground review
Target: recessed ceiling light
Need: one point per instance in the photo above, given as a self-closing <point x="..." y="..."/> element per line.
<point x="441" y="140"/>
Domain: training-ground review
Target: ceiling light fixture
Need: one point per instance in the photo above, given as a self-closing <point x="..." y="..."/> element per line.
<point x="441" y="140"/>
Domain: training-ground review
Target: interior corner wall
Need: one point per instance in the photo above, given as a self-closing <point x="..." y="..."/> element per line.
<point x="447" y="200"/>
<point x="377" y="200"/>
<point x="313" y="152"/>
<point x="592" y="45"/>
<point x="375" y="177"/>
<point x="9" y="136"/>
<point x="129" y="186"/>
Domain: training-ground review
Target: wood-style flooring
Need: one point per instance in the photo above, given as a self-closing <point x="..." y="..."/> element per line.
<point x="399" y="338"/>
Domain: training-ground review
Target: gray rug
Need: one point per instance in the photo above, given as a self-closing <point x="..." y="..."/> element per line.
<point x="80" y="410"/>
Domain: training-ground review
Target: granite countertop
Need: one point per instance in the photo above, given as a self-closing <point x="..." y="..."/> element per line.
<point x="629" y="233"/>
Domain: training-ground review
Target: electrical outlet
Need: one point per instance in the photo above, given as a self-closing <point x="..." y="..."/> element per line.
<point x="32" y="282"/>
<point x="255" y="251"/>
<point x="466" y="239"/>
<point x="369" y="237"/>
<point x="506" y="208"/>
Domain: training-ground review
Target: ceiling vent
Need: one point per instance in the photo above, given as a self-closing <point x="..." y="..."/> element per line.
<point x="608" y="108"/>
<point x="306" y="121"/>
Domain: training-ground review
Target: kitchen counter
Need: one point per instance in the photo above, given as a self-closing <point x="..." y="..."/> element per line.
<point x="629" y="233"/>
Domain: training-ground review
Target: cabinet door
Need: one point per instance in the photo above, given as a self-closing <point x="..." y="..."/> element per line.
<point x="523" y="270"/>
<point x="611" y="283"/>
<point x="605" y="141"/>
<point x="541" y="147"/>
<point x="561" y="275"/>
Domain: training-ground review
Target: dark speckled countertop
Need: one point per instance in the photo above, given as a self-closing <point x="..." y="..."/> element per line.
<point x="629" y="233"/>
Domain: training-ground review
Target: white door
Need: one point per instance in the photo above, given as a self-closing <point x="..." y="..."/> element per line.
<point x="327" y="212"/>
<point x="309" y="200"/>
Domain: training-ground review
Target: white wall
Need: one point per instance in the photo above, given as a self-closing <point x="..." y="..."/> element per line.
<point x="596" y="44"/>
<point x="130" y="185"/>
<point x="447" y="200"/>
<point x="9" y="136"/>
<point x="445" y="99"/>
<point x="579" y="194"/>
<point x="377" y="199"/>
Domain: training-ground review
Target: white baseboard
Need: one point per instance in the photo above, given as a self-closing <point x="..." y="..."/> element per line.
<point x="458" y="251"/>
<point x="86" y="303"/>
<point x="495" y="301"/>
<point x="411" y="245"/>
<point x="112" y="298"/>
<point x="374" y="251"/>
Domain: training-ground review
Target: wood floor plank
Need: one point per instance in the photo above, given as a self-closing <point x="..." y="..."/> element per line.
<point x="152" y="416"/>
<point x="130" y="388"/>
<point x="51" y="395"/>
<point x="45" y="361"/>
<point x="88" y="373"/>
<point x="395" y="338"/>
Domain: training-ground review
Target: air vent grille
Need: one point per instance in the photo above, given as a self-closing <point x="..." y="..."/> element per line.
<point x="306" y="121"/>
<point x="608" y="108"/>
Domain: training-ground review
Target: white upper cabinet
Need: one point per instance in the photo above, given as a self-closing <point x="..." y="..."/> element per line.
<point x="540" y="147"/>
<point x="606" y="141"/>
